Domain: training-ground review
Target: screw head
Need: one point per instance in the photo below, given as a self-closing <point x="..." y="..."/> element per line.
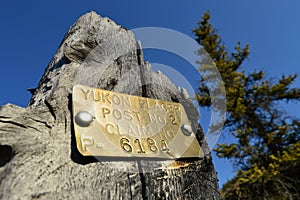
<point x="83" y="118"/>
<point x="186" y="129"/>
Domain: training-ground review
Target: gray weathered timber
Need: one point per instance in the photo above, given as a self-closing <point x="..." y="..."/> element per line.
<point x="38" y="154"/>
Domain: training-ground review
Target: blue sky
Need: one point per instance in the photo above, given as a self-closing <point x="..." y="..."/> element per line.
<point x="32" y="30"/>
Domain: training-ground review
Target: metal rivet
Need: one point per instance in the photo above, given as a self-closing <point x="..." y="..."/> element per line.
<point x="83" y="118"/>
<point x="186" y="129"/>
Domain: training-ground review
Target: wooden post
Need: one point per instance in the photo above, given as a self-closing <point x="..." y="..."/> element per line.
<point x="39" y="158"/>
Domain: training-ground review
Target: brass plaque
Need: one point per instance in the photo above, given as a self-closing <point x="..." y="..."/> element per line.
<point x="112" y="124"/>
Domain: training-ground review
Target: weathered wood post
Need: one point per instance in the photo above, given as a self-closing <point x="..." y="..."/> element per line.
<point x="39" y="154"/>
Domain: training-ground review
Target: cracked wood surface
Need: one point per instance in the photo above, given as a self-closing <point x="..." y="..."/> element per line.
<point x="38" y="154"/>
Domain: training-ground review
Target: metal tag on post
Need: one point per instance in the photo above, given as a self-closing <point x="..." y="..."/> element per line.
<point x="112" y="124"/>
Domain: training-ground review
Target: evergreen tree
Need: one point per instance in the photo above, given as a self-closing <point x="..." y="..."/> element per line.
<point x="267" y="149"/>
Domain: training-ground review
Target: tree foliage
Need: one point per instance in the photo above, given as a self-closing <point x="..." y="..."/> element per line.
<point x="266" y="149"/>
